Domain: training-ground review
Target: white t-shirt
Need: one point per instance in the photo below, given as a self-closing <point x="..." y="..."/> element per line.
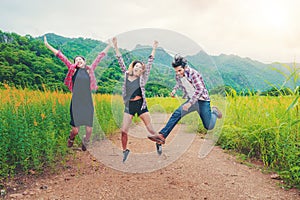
<point x="188" y="86"/>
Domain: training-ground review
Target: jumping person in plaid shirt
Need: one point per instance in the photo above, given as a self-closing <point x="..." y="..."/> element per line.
<point x="192" y="84"/>
<point x="134" y="94"/>
<point x="80" y="80"/>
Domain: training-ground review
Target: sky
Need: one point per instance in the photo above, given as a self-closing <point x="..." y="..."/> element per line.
<point x="263" y="30"/>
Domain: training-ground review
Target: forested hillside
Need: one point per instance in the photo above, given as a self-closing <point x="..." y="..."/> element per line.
<point x="25" y="62"/>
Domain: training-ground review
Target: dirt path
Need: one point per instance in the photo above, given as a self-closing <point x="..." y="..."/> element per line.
<point x="177" y="174"/>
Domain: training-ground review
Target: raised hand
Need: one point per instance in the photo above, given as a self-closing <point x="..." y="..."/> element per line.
<point x="45" y="40"/>
<point x="114" y="41"/>
<point x="155" y="44"/>
<point x="55" y="51"/>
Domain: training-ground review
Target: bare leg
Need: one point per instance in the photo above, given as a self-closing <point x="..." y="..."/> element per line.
<point x="154" y="136"/>
<point x="72" y="136"/>
<point x="74" y="132"/>
<point x="127" y="118"/>
<point x="88" y="132"/>
<point x="147" y="121"/>
<point x="86" y="138"/>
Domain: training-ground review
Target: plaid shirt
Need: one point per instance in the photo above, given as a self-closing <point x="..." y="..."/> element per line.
<point x="196" y="80"/>
<point x="72" y="68"/>
<point x="143" y="78"/>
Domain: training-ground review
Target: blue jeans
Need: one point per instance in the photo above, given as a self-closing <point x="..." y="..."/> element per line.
<point x="202" y="107"/>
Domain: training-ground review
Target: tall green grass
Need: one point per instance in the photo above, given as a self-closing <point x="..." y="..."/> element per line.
<point x="34" y="127"/>
<point x="266" y="128"/>
<point x="261" y="127"/>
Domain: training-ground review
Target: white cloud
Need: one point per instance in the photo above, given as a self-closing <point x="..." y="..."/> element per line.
<point x="263" y="30"/>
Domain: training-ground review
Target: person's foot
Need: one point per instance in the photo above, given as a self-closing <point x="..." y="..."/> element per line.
<point x="70" y="142"/>
<point x="158" y="138"/>
<point x="125" y="154"/>
<point x="217" y="112"/>
<point x="84" y="144"/>
<point x="159" y="148"/>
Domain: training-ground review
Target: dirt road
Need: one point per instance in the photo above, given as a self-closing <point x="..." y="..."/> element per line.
<point x="177" y="174"/>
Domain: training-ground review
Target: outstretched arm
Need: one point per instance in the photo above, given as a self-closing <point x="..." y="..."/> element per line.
<point x="58" y="53"/>
<point x="100" y="56"/>
<point x="119" y="55"/>
<point x="155" y="44"/>
<point x="115" y="45"/>
<point x="107" y="47"/>
<point x="150" y="61"/>
<point x="55" y="51"/>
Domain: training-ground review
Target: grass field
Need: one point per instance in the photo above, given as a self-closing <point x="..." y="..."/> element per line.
<point x="34" y="127"/>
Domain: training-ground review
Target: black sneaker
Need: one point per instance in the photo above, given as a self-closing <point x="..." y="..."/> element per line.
<point x="125" y="154"/>
<point x="158" y="149"/>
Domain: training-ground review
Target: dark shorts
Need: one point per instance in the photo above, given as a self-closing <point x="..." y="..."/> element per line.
<point x="133" y="107"/>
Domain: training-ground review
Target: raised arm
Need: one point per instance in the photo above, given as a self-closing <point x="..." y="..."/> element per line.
<point x="155" y="44"/>
<point x="58" y="53"/>
<point x="119" y="55"/>
<point x="115" y="45"/>
<point x="150" y="61"/>
<point x="100" y="56"/>
<point x="105" y="50"/>
<point x="55" y="51"/>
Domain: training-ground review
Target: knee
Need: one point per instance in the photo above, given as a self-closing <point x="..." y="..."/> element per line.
<point x="75" y="130"/>
<point x="177" y="113"/>
<point x="209" y="126"/>
<point x="89" y="129"/>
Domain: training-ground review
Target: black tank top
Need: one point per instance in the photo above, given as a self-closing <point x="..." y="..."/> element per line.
<point x="133" y="89"/>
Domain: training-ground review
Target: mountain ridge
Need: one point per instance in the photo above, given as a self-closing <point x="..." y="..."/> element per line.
<point x="218" y="71"/>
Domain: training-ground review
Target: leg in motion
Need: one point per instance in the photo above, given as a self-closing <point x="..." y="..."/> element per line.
<point x="127" y="118"/>
<point x="72" y="136"/>
<point x="154" y="135"/>
<point x="86" y="138"/>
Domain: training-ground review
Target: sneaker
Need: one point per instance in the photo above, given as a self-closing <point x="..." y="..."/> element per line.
<point x="125" y="154"/>
<point x="70" y="142"/>
<point x="158" y="138"/>
<point x="158" y="149"/>
<point x="84" y="144"/>
<point x="217" y="112"/>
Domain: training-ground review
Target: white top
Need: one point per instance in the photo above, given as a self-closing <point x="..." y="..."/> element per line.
<point x="189" y="87"/>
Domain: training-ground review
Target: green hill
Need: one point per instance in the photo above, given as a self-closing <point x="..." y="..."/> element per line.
<point x="25" y="62"/>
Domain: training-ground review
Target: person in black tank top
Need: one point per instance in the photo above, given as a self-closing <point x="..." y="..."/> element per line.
<point x="134" y="94"/>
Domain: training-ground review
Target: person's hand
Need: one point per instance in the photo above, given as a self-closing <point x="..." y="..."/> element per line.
<point x="76" y="63"/>
<point x="45" y="40"/>
<point x="172" y="94"/>
<point x="186" y="106"/>
<point x="155" y="44"/>
<point x="115" y="42"/>
<point x="55" y="51"/>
